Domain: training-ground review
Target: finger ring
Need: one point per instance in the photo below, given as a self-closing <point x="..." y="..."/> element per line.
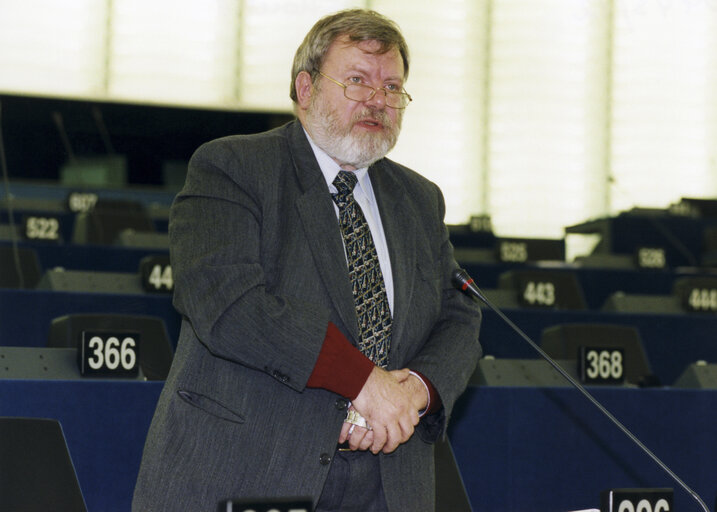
<point x="351" y="429"/>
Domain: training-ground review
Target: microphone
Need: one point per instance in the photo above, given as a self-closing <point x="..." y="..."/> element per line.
<point x="465" y="283"/>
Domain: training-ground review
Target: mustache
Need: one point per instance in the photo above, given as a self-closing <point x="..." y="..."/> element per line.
<point x="369" y="113"/>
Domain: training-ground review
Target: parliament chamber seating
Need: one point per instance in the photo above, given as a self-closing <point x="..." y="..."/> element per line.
<point x="522" y="439"/>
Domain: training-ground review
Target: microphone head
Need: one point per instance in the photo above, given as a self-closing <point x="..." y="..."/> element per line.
<point x="460" y="278"/>
<point x="465" y="283"/>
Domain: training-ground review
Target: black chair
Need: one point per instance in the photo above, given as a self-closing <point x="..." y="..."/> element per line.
<point x="564" y="342"/>
<point x="103" y="224"/>
<point x="155" y="355"/>
<point x="544" y="288"/>
<point x="450" y="492"/>
<point x="36" y="473"/>
<point x="19" y="267"/>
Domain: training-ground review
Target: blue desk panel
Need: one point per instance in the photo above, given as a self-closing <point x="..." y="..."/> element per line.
<point x="518" y="449"/>
<point x="550" y="450"/>
<point x="25" y="315"/>
<point x="105" y="424"/>
<point x="99" y="258"/>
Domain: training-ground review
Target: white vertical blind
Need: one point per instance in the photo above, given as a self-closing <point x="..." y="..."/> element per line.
<point x="546" y="118"/>
<point x="441" y="136"/>
<point x="541" y="113"/>
<point x="49" y="46"/>
<point x="663" y="79"/>
<point x="711" y="107"/>
<point x="271" y="32"/>
<point x="174" y="51"/>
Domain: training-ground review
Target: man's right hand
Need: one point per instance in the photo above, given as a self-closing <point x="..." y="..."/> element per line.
<point x="388" y="409"/>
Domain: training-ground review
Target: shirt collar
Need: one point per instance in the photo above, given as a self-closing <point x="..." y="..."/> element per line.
<point x="329" y="168"/>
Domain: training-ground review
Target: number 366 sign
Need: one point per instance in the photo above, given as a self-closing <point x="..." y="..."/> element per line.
<point x="109" y="354"/>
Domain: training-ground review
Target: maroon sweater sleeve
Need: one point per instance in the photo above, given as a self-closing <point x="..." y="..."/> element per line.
<point x="343" y="369"/>
<point x="340" y="367"/>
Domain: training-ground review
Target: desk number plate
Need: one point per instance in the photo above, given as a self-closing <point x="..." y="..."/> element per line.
<point x="636" y="500"/>
<point x="156" y="274"/>
<point x="267" y="505"/>
<point x="602" y="365"/>
<point x="538" y="294"/>
<point x="109" y="354"/>
<point x="46" y="229"/>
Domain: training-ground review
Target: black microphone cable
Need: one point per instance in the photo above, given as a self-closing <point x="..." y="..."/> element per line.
<point x="11" y="216"/>
<point x="464" y="282"/>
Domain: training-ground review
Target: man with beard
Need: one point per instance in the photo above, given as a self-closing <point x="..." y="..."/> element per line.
<point x="323" y="345"/>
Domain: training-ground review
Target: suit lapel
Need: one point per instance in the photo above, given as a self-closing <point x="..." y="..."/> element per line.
<point x="318" y="217"/>
<point x="398" y="220"/>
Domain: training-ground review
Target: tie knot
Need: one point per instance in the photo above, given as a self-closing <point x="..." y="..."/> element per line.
<point x="345" y="182"/>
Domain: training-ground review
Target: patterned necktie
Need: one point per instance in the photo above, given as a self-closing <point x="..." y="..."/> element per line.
<point x="369" y="290"/>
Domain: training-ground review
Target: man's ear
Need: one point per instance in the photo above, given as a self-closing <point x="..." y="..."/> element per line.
<point x="304" y="89"/>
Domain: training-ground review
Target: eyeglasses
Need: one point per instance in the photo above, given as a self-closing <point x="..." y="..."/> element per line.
<point x="363" y="92"/>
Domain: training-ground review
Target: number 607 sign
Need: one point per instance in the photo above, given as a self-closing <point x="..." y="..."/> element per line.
<point x="109" y="354"/>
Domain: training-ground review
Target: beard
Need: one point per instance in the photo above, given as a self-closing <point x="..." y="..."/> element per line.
<point x="337" y="140"/>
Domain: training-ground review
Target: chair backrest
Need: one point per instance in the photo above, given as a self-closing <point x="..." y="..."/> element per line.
<point x="155" y="355"/>
<point x="36" y="473"/>
<point x="544" y="288"/>
<point x="564" y="342"/>
<point x="103" y="224"/>
<point x="25" y="261"/>
<point x="450" y="491"/>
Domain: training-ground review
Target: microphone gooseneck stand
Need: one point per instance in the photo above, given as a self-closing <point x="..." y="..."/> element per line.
<point x="464" y="282"/>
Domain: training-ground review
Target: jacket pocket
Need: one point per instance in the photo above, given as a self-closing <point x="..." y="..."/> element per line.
<point x="210" y="406"/>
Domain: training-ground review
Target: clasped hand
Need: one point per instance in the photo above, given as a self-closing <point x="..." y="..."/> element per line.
<point x="389" y="401"/>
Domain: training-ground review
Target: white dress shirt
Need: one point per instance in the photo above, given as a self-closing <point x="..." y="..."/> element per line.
<point x="364" y="196"/>
<point x="363" y="193"/>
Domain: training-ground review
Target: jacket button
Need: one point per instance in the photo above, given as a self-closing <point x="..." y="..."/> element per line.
<point x="342" y="404"/>
<point x="325" y="459"/>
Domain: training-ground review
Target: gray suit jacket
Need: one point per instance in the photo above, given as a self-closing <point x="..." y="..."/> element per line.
<point x="259" y="270"/>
